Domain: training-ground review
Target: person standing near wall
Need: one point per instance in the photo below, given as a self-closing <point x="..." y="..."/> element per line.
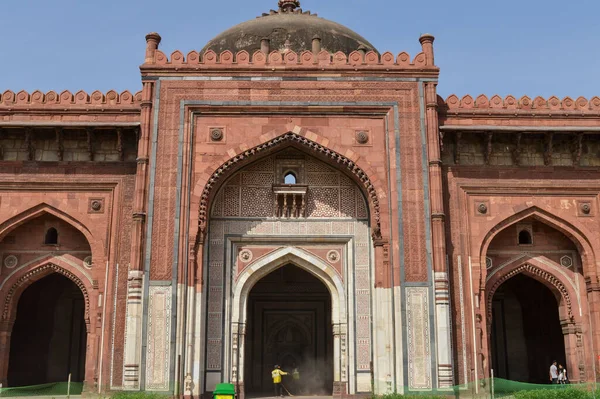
<point x="296" y="379"/>
<point x="553" y="373"/>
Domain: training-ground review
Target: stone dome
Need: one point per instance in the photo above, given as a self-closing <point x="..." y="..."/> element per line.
<point x="288" y="28"/>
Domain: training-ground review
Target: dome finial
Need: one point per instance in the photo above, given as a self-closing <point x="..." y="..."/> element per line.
<point x="288" y="5"/>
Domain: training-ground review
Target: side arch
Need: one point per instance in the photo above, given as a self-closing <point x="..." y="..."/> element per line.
<point x="539" y="271"/>
<point x="359" y="169"/>
<point x="14" y="286"/>
<point x="38" y="210"/>
<point x="575" y="233"/>
<point x="306" y="261"/>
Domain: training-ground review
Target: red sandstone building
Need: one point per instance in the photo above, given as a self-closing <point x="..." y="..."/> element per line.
<point x="290" y="194"/>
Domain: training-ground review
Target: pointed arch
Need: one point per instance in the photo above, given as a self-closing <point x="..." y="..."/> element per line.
<point x="289" y="255"/>
<point x="39" y="210"/>
<point x="14" y="285"/>
<point x="349" y="162"/>
<point x="546" y="272"/>
<point x="573" y="232"/>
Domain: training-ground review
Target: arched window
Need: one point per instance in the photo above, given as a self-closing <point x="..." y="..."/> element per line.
<point x="525" y="237"/>
<point x="289" y="178"/>
<point x="51" y="237"/>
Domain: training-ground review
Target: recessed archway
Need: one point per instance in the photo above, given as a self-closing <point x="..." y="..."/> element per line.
<point x="49" y="337"/>
<point x="330" y="285"/>
<point x="34" y="262"/>
<point x="535" y="308"/>
<point x="526" y="334"/>
<point x="321" y="226"/>
<point x="289" y="323"/>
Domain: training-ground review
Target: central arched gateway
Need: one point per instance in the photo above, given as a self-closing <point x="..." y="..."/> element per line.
<point x="330" y="295"/>
<point x="317" y="225"/>
<point x="288" y="322"/>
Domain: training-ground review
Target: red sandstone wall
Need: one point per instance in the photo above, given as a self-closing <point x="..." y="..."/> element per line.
<point x="243" y="132"/>
<point x="68" y="190"/>
<point x="505" y="195"/>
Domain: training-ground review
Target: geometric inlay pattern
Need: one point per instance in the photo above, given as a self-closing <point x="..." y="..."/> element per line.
<point x="310" y="229"/>
<point x="335" y="206"/>
<point x="249" y="193"/>
<point x="566" y="261"/>
<point x="336" y="158"/>
<point x="418" y="340"/>
<point x="159" y="338"/>
<point x="11" y="261"/>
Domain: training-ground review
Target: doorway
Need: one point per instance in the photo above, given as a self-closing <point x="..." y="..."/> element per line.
<point x="49" y="337"/>
<point x="289" y="324"/>
<point x="526" y="333"/>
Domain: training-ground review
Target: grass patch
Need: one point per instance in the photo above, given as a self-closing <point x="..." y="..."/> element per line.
<point x="412" y="395"/>
<point x="554" y="393"/>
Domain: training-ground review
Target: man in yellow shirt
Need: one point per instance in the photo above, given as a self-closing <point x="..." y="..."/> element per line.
<point x="276" y="374"/>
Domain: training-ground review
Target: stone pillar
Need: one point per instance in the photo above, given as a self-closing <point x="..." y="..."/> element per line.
<point x="442" y="321"/>
<point x="5" y="332"/>
<point x="340" y="372"/>
<point x="384" y="342"/>
<point x="438" y="230"/>
<point x="133" y="337"/>
<point x="238" y="339"/>
<point x="574" y="351"/>
<point x="593" y="297"/>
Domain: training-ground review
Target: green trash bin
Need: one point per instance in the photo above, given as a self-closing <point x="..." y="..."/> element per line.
<point x="224" y="391"/>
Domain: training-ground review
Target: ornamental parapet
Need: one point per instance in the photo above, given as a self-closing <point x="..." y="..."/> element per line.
<point x="306" y="59"/>
<point x="267" y="60"/>
<point x="110" y="99"/>
<point x="453" y="104"/>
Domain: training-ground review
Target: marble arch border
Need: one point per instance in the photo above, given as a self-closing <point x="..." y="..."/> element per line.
<point x="261" y="268"/>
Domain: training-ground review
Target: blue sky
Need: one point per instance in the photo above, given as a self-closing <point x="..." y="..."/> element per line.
<point x="533" y="47"/>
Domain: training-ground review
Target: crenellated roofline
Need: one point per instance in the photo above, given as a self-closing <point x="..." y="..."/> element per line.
<point x="307" y="60"/>
<point x="110" y="99"/>
<point x="422" y="64"/>
<point x="497" y="104"/>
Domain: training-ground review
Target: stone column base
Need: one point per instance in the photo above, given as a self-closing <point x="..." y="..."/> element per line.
<point x="239" y="388"/>
<point x="340" y="389"/>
